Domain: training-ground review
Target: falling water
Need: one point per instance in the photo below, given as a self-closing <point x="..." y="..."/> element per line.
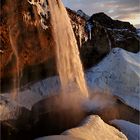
<point x="68" y="62"/>
<point x="67" y="54"/>
<point x="16" y="77"/>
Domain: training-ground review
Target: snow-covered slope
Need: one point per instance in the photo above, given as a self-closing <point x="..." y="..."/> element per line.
<point x="93" y="128"/>
<point x="131" y="130"/>
<point x="120" y="73"/>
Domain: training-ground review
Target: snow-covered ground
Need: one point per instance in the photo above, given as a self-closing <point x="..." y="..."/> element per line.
<point x="131" y="130"/>
<point x="93" y="128"/>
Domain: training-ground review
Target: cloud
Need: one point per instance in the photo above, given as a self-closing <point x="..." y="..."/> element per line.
<point x="117" y="9"/>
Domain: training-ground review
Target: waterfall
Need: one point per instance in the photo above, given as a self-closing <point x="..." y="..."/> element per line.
<point x="69" y="65"/>
<point x="67" y="54"/>
<point x="16" y="78"/>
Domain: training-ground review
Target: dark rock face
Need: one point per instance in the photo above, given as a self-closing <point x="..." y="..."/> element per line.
<point x="21" y="29"/>
<point x="103" y="39"/>
<point x="108" y="22"/>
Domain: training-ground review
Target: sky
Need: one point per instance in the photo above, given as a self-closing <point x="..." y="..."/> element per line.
<point x="125" y="10"/>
